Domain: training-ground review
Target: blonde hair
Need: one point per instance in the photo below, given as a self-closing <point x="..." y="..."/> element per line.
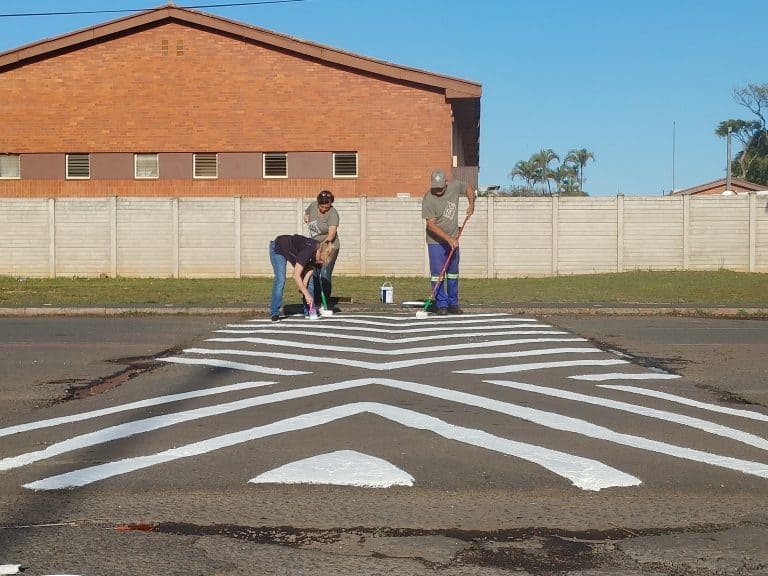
<point x="326" y="251"/>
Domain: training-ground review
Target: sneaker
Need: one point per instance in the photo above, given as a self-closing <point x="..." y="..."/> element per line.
<point x="442" y="311"/>
<point x="276" y="318"/>
<point x="455" y="310"/>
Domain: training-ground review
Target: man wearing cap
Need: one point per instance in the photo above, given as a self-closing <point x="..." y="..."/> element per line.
<point x="440" y="209"/>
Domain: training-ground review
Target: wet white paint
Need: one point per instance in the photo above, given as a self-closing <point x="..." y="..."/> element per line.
<point x="582" y="472"/>
<point x="233" y="365"/>
<point x="386" y="351"/>
<point x="698" y="423"/>
<point x="335" y="335"/>
<point x="541" y="366"/>
<point x="379" y="366"/>
<point x="750" y="414"/>
<point x="130" y="406"/>
<point x="447" y="322"/>
<point x="340" y="468"/>
<point x="338" y="329"/>
<point x="625" y="376"/>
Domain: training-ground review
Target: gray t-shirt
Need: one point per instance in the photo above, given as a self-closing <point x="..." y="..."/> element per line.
<point x="318" y="224"/>
<point x="445" y="209"/>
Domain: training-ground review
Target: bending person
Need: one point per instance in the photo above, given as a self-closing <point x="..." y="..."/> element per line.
<point x="304" y="254"/>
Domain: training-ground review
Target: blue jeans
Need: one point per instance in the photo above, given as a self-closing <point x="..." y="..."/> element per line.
<point x="278" y="284"/>
<point x="324" y="281"/>
<point x="448" y="293"/>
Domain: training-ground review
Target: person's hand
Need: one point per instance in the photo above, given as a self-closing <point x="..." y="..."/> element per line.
<point x="470" y="210"/>
<point x="310" y="301"/>
<point x="306" y="217"/>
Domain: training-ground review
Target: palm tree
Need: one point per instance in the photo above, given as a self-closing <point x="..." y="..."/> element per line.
<point x="563" y="176"/>
<point x="579" y="158"/>
<point x="526" y="170"/>
<point x="542" y="160"/>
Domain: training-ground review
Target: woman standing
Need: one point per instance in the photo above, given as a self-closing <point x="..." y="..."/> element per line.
<point x="323" y="222"/>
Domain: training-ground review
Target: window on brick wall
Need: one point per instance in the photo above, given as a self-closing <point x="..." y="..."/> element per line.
<point x="345" y="164"/>
<point x="146" y="166"/>
<point x="78" y="166"/>
<point x="275" y="165"/>
<point x="206" y="165"/>
<point x="10" y="166"/>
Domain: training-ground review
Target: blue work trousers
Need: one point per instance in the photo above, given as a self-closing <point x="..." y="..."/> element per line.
<point x="448" y="293"/>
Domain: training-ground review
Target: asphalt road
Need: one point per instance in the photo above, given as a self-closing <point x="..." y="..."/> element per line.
<point x="521" y="457"/>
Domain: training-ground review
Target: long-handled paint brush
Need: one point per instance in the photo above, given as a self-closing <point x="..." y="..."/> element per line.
<point x="423" y="313"/>
<point x="324" y="310"/>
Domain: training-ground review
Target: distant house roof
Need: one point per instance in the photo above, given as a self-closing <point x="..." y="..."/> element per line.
<point x="718" y="187"/>
<point x="453" y="87"/>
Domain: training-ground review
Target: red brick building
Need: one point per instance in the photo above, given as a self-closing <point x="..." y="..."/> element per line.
<point x="175" y="102"/>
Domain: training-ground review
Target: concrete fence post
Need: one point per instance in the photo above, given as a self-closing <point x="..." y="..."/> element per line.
<point x="620" y="233"/>
<point x="555" y="201"/>
<point x="490" y="271"/>
<point x="175" y="268"/>
<point x="52" y="237"/>
<point x="752" y="231"/>
<point x="363" y="207"/>
<point x="238" y="239"/>
<point x="686" y="229"/>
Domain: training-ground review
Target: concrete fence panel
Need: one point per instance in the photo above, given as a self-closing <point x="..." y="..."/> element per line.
<point x="506" y="237"/>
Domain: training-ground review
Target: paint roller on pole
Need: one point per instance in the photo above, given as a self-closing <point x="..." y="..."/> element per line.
<point x="423" y="313"/>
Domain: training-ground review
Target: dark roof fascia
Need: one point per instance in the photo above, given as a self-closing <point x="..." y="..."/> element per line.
<point x="453" y="87"/>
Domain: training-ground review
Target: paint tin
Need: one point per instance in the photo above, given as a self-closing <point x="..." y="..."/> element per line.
<point x="387" y="293"/>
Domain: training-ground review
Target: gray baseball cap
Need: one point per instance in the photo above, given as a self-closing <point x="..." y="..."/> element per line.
<point x="438" y="179"/>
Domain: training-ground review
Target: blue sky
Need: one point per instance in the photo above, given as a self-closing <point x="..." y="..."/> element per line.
<point x="618" y="78"/>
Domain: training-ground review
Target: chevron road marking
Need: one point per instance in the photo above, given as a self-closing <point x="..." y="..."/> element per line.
<point x="687" y="401"/>
<point x="540" y="366"/>
<point x="626" y="376"/>
<point x="404" y="363"/>
<point x="584" y="473"/>
<point x="392" y="351"/>
<point x="446" y="322"/>
<point x="283" y="328"/>
<point x="331" y="334"/>
<point x="131" y="406"/>
<point x="700" y="424"/>
<point x="547" y="419"/>
<point x="234" y="365"/>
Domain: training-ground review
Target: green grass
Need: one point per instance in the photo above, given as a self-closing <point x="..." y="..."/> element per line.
<point x="720" y="288"/>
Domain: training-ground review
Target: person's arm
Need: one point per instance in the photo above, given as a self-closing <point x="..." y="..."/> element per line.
<point x="439" y="232"/>
<point x="306" y="213"/>
<point x="470" y="200"/>
<point x="331" y="236"/>
<point x="301" y="281"/>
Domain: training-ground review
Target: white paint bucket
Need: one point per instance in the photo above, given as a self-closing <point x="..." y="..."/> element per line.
<point x="387" y="293"/>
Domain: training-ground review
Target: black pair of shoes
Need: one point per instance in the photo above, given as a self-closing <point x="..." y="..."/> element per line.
<point x="275" y="318"/>
<point x="455" y="310"/>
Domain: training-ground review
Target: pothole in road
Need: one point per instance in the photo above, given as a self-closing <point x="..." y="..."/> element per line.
<point x="135" y="366"/>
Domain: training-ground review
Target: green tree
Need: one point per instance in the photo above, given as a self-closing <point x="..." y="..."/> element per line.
<point x="752" y="160"/>
<point x="579" y="157"/>
<point x="542" y="160"/>
<point x="526" y="170"/>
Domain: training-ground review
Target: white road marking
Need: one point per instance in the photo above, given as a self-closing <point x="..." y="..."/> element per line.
<point x="403" y="363"/>
<point x="339" y="468"/>
<point x="625" y="376"/>
<point x="750" y="414"/>
<point x="584" y="473"/>
<point x="130" y="406"/>
<point x="390" y="351"/>
<point x="540" y="366"/>
<point x="698" y="423"/>
<point x="408" y="319"/>
<point x="448" y="323"/>
<point x="233" y="365"/>
<point x="331" y="334"/>
<point x="287" y="328"/>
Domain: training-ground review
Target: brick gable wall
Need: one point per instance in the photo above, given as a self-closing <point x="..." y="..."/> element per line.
<point x="221" y="95"/>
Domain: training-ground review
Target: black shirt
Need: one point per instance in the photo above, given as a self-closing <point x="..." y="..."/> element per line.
<point x="297" y="248"/>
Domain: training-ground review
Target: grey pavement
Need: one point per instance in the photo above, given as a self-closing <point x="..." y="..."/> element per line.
<point x="45" y="353"/>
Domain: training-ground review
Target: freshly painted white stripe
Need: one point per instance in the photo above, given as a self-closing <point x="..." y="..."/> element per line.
<point x="698" y="423"/>
<point x="539" y="417"/>
<point x="340" y="468"/>
<point x="582" y="472"/>
<point x="750" y="414"/>
<point x="335" y="335"/>
<point x="403" y="363"/>
<point x="540" y="366"/>
<point x="130" y="406"/>
<point x="233" y="365"/>
<point x="447" y="322"/>
<point x="386" y="352"/>
<point x="391" y="319"/>
<point x="283" y="328"/>
<point x="625" y="376"/>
